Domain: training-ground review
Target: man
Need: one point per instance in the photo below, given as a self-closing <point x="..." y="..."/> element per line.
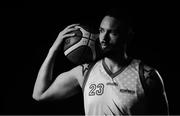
<point x="114" y="85"/>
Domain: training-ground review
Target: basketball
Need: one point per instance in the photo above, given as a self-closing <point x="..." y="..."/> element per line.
<point x="81" y="48"/>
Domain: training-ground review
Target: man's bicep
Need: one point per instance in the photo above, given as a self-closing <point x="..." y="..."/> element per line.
<point x="64" y="86"/>
<point x="157" y="94"/>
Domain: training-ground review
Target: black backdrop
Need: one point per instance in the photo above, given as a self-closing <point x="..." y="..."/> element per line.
<point x="34" y="27"/>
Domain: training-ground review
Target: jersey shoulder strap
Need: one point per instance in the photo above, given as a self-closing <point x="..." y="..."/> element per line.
<point x="86" y="71"/>
<point x="144" y="72"/>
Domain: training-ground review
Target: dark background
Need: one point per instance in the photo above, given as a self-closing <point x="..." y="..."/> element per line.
<point x="34" y="26"/>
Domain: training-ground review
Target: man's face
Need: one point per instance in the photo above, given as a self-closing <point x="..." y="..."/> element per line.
<point x="110" y="35"/>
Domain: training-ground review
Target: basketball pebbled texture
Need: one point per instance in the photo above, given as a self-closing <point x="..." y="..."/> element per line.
<point x="80" y="48"/>
<point x="80" y="55"/>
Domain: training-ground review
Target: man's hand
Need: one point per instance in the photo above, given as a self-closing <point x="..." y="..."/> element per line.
<point x="64" y="34"/>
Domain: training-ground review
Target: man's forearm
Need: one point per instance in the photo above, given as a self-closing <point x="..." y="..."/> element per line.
<point x="44" y="77"/>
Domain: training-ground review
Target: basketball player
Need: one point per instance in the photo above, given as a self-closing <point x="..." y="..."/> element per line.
<point x="114" y="85"/>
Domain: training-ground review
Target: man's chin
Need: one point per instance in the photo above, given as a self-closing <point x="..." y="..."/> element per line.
<point x="110" y="52"/>
<point x="106" y="52"/>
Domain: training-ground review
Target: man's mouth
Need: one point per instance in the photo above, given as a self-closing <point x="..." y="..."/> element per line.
<point x="104" y="45"/>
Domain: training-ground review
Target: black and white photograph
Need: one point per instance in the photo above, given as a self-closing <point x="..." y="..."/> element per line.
<point x="91" y="58"/>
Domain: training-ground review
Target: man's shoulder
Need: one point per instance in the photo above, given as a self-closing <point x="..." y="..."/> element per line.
<point x="138" y="63"/>
<point x="87" y="66"/>
<point x="150" y="77"/>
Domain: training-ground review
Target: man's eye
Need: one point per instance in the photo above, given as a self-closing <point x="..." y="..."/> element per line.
<point x="114" y="33"/>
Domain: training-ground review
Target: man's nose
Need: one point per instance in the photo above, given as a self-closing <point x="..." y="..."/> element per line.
<point x="105" y="37"/>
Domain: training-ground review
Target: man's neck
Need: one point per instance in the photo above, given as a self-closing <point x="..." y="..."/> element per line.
<point x="116" y="63"/>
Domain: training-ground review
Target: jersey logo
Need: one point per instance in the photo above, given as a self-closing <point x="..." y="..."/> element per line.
<point x="127" y="91"/>
<point x="85" y="67"/>
<point x="96" y="89"/>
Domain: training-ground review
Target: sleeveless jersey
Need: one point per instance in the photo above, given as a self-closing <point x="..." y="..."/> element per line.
<point x="106" y="93"/>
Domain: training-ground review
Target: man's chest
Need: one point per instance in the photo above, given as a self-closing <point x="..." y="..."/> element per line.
<point x="122" y="89"/>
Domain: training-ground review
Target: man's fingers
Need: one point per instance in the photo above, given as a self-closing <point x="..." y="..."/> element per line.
<point x="69" y="35"/>
<point x="72" y="25"/>
<point x="69" y="30"/>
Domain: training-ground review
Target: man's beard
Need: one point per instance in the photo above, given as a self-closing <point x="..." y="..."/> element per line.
<point x="112" y="51"/>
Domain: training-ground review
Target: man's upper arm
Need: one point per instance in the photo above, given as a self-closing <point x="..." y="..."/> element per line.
<point x="64" y="85"/>
<point x="155" y="91"/>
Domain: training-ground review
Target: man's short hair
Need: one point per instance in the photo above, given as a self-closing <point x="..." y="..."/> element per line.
<point x="122" y="14"/>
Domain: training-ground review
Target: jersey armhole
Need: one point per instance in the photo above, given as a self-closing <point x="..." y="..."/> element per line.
<point x="145" y="73"/>
<point x="142" y="77"/>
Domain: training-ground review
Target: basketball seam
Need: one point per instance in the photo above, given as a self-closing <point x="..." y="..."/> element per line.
<point x="82" y="53"/>
<point x="89" y="38"/>
<point x="73" y="46"/>
<point x="79" y="41"/>
<point x="75" y="49"/>
<point x="86" y="45"/>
